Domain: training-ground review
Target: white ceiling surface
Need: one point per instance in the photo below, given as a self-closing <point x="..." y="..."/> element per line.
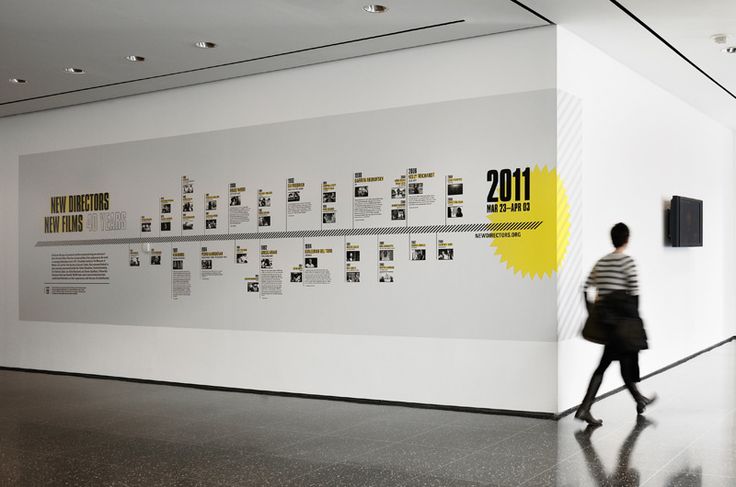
<point x="39" y="38"/>
<point x="686" y="24"/>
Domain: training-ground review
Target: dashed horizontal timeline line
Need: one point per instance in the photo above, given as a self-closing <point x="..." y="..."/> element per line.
<point x="342" y="232"/>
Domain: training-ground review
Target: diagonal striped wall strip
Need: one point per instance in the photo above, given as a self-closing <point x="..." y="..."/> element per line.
<point x="465" y="228"/>
<point x="570" y="309"/>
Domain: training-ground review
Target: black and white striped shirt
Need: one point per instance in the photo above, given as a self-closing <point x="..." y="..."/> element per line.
<point x="614" y="272"/>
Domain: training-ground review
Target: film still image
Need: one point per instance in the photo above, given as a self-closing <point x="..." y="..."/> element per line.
<point x="135" y="262"/>
<point x="418" y="254"/>
<point x="165" y="226"/>
<point x="310" y="262"/>
<point x="211" y="205"/>
<point x="385" y="277"/>
<point x="155" y="260"/>
<point x="211" y="224"/>
<point x="187" y="188"/>
<point x="241" y="258"/>
<point x="187" y="207"/>
<point x="187" y="225"/>
<point x="445" y="254"/>
<point x="166" y="208"/>
<point x="177" y="264"/>
<point x="398" y="192"/>
<point x="329" y="197"/>
<point x="235" y="200"/>
<point x="361" y="191"/>
<point x="454" y="189"/>
<point x="206" y="264"/>
<point x="386" y="255"/>
<point x="328" y="217"/>
<point x="416" y="188"/>
<point x="353" y="256"/>
<point x="264" y="201"/>
<point x="293" y="196"/>
<point x="398" y="214"/>
<point x="252" y="287"/>
<point x="296" y="277"/>
<point x="353" y="276"/>
<point x="146" y="227"/>
<point x="266" y="263"/>
<point x="454" y="212"/>
<point x="264" y="221"/>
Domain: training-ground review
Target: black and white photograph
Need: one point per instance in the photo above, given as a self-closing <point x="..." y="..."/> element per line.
<point x="398" y="192"/>
<point x="445" y="254"/>
<point x="253" y="287"/>
<point x="187" y="226"/>
<point x="165" y="226"/>
<point x="329" y="197"/>
<point x="211" y="224"/>
<point x="293" y="196"/>
<point x="328" y="217"/>
<point x="310" y="262"/>
<point x="135" y="261"/>
<point x="296" y="277"/>
<point x="266" y="263"/>
<point x="155" y="260"/>
<point x="418" y="254"/>
<point x="187" y="188"/>
<point x="398" y="214"/>
<point x="353" y="276"/>
<point x="264" y="201"/>
<point x="177" y="264"/>
<point x="235" y="200"/>
<point x="416" y="188"/>
<point x="454" y="189"/>
<point x="353" y="256"/>
<point x="385" y="277"/>
<point x="241" y="258"/>
<point x="206" y="264"/>
<point x="264" y="221"/>
<point x="211" y="205"/>
<point x="386" y="255"/>
<point x="361" y="191"/>
<point x="165" y="207"/>
<point x="146" y="227"/>
<point x="454" y="212"/>
<point x="187" y="207"/>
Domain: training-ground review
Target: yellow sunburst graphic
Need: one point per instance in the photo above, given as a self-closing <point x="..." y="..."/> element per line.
<point x="532" y="236"/>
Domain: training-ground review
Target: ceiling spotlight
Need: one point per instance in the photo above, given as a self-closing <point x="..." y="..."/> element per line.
<point x="17" y="81"/>
<point x="730" y="50"/>
<point x="375" y="9"/>
<point x="74" y="70"/>
<point x="135" y="59"/>
<point x="205" y="44"/>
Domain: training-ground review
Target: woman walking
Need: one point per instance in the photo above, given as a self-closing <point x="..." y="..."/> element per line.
<point x="616" y="310"/>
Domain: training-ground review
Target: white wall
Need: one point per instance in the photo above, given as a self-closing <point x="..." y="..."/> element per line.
<point x="479" y="373"/>
<point x="641" y="145"/>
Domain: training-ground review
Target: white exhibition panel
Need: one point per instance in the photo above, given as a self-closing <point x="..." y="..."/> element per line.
<point x="504" y="374"/>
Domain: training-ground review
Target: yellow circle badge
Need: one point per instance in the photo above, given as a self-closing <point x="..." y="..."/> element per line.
<point x="530" y="219"/>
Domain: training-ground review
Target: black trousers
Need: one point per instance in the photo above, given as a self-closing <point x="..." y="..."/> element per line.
<point x="628" y="361"/>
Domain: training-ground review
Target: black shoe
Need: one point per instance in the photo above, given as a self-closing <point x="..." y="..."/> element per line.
<point x="584" y="415"/>
<point x="641" y="404"/>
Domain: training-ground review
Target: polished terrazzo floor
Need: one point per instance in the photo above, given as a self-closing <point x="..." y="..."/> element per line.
<point x="59" y="430"/>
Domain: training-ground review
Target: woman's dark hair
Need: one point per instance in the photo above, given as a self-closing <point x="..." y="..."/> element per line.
<point x="619" y="235"/>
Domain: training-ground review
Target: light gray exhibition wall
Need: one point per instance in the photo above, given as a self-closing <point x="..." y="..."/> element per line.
<point x="472" y="295"/>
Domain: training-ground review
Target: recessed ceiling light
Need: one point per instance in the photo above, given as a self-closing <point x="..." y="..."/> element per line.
<point x="375" y="9"/>
<point x="135" y="59"/>
<point x="18" y="81"/>
<point x="74" y="70"/>
<point x="730" y="50"/>
<point x="205" y="44"/>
